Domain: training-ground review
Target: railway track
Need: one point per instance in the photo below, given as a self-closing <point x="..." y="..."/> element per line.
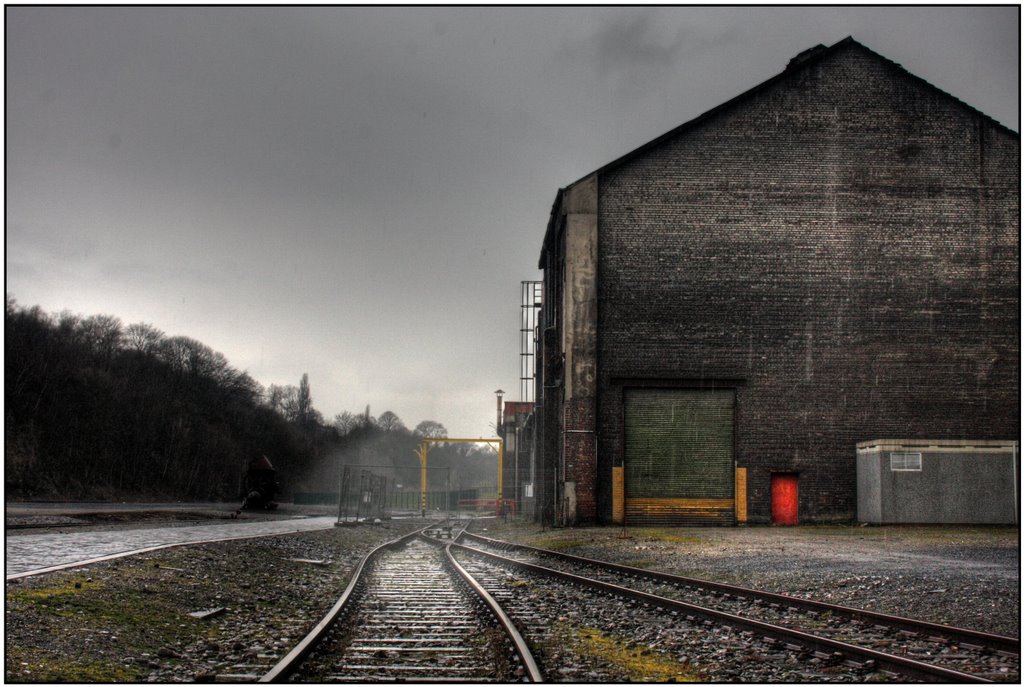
<point x="411" y="613"/>
<point x="863" y="641"/>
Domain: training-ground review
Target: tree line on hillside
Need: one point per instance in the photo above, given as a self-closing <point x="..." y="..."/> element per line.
<point x="97" y="409"/>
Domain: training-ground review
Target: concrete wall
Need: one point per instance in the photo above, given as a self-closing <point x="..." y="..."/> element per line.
<point x="579" y="346"/>
<point x="842" y="246"/>
<point x="959" y="483"/>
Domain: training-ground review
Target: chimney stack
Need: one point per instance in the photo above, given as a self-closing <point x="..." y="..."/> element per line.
<point x="497" y="427"/>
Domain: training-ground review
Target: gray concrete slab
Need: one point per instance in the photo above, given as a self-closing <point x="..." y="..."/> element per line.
<point x="33" y="552"/>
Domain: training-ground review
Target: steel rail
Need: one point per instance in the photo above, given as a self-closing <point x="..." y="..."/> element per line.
<point x="283" y="669"/>
<point x="957" y="634"/>
<point x="823" y="645"/>
<point x="522" y="649"/>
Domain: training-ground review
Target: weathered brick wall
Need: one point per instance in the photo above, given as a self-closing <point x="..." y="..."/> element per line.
<point x="846" y="241"/>
<point x="581" y="457"/>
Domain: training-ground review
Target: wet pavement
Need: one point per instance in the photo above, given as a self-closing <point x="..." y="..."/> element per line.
<point x="32" y="551"/>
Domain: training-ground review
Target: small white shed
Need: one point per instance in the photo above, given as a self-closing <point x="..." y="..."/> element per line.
<point x="919" y="481"/>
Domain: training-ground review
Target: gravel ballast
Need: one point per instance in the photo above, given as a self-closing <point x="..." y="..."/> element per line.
<point x="141" y="618"/>
<point x="962" y="576"/>
<point x="223" y="611"/>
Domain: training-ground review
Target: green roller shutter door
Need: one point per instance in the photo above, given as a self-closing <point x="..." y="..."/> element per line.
<point x="679" y="460"/>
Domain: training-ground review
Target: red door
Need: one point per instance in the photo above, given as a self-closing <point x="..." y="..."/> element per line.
<point x="784" y="499"/>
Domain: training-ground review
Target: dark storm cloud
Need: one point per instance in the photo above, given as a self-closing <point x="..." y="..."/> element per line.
<point x="646" y="39"/>
<point x="630" y="40"/>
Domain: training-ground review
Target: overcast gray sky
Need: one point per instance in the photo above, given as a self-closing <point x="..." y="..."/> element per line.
<point x="356" y="193"/>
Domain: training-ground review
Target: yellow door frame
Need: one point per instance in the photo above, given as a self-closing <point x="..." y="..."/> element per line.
<point x="425" y="446"/>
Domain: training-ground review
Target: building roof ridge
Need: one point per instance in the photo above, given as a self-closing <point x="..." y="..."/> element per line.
<point x="801" y="61"/>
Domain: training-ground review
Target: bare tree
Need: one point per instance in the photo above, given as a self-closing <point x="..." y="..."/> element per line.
<point x="102" y="334"/>
<point x="430" y="429"/>
<point x="181" y="353"/>
<point x="345" y="422"/>
<point x="389" y="422"/>
<point x="283" y="400"/>
<point x="142" y="337"/>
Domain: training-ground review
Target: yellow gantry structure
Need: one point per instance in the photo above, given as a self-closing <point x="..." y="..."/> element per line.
<point x="425" y="446"/>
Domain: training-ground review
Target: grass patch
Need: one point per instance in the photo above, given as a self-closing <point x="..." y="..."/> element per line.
<point x="568" y="540"/>
<point x="83" y="629"/>
<point x="663" y="534"/>
<point x="557" y="543"/>
<point x="29" y="664"/>
<point x="641" y="563"/>
<point x="636" y="663"/>
<point x="127" y="611"/>
<point x="54" y="595"/>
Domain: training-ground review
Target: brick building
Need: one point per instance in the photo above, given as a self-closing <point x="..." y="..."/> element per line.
<point x="829" y="258"/>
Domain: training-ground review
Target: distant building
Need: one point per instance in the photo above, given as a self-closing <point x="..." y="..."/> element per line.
<point x="516" y="430"/>
<point x="831" y="257"/>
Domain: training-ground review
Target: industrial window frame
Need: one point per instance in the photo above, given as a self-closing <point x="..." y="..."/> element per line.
<point x="905" y="462"/>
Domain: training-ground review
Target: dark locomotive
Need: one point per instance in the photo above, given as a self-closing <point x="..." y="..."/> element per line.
<point x="260" y="486"/>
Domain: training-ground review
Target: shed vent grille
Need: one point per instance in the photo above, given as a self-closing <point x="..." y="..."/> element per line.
<point x="905" y="462"/>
